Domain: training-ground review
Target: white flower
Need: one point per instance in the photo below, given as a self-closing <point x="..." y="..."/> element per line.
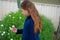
<point x="13" y="17"/>
<point x="13" y="25"/>
<point x="11" y="39"/>
<point x="9" y="15"/>
<point x="2" y="25"/>
<point x="8" y="33"/>
<point x="20" y="17"/>
<point x="10" y="28"/>
<point x="3" y="32"/>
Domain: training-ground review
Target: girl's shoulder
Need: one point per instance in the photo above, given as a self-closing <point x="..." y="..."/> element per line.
<point x="30" y="20"/>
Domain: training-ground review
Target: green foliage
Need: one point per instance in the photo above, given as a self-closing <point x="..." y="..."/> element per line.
<point x="18" y="19"/>
<point x="59" y="37"/>
<point x="12" y="18"/>
<point x="47" y="29"/>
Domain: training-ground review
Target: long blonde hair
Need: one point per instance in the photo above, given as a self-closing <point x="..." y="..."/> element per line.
<point x="30" y="7"/>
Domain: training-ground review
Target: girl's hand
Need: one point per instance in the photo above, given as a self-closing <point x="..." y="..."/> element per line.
<point x="14" y="29"/>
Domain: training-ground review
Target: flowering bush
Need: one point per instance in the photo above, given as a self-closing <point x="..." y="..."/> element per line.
<point x="17" y="19"/>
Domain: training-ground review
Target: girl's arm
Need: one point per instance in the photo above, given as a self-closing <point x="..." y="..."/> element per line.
<point x="19" y="31"/>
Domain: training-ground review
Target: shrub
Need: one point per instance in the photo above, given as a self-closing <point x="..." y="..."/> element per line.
<point x="18" y="19"/>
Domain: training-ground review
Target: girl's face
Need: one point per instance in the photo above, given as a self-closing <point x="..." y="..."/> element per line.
<point x="25" y="12"/>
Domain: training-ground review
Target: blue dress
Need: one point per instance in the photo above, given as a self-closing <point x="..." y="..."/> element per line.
<point x="28" y="30"/>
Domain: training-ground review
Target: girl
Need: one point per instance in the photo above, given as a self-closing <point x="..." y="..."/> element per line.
<point x="32" y="25"/>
